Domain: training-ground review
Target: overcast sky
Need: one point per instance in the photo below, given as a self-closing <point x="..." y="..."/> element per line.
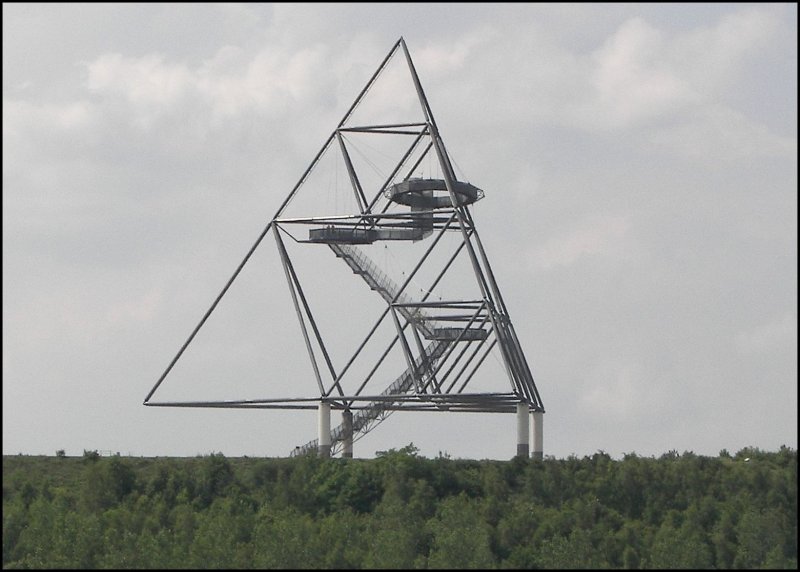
<point x="640" y="169"/>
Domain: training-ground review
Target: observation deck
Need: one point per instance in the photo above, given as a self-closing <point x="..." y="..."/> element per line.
<point x="424" y="196"/>
<point x="432" y="193"/>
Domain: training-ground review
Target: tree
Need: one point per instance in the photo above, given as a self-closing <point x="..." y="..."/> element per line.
<point x="516" y="532"/>
<point x="50" y="538"/>
<point x="223" y="531"/>
<point x="216" y="475"/>
<point x="723" y="538"/>
<point x="107" y="482"/>
<point x="285" y="538"/>
<point x="573" y="551"/>
<point x="761" y="533"/>
<point x="681" y="547"/>
<point x="342" y="540"/>
<point x="397" y="534"/>
<point x="460" y="536"/>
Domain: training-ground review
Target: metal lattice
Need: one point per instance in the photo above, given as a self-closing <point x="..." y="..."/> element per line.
<point x="444" y="341"/>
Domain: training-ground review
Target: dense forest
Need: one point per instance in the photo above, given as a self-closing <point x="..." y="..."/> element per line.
<point x="401" y="510"/>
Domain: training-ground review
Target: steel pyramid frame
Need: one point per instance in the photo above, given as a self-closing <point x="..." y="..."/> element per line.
<point x="444" y="342"/>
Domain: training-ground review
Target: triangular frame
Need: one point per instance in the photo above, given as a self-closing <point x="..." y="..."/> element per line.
<point x="438" y="373"/>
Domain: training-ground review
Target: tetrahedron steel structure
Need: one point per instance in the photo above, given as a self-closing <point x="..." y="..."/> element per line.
<point x="438" y="312"/>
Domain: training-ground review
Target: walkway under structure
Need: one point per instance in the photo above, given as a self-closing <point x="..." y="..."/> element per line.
<point x="444" y="333"/>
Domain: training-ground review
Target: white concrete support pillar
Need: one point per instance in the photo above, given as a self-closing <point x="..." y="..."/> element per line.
<point x="347" y="424"/>
<point x="324" y="426"/>
<point x="523" y="447"/>
<point x="538" y="436"/>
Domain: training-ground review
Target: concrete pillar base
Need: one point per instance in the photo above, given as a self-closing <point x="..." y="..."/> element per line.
<point x="523" y="446"/>
<point x="347" y="444"/>
<point x="538" y="435"/>
<point x="324" y="439"/>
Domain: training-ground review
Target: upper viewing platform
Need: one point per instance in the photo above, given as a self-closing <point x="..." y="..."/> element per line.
<point x="432" y="193"/>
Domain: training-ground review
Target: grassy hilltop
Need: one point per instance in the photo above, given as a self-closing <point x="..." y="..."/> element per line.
<point x="401" y="510"/>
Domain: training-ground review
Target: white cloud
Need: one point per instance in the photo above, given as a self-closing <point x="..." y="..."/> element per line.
<point x="145" y="80"/>
<point x="20" y="115"/>
<point x="142" y="309"/>
<point x="596" y="235"/>
<point x="630" y="81"/>
<point x="710" y="57"/>
<point x="231" y="83"/>
<point x="441" y="58"/>
<point x="642" y="76"/>
<point x="779" y="333"/>
<point x="716" y="133"/>
<point x="615" y="389"/>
